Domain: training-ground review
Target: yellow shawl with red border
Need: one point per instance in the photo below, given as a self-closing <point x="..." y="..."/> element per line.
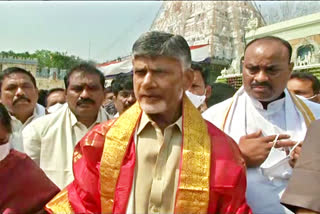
<point x="193" y="188"/>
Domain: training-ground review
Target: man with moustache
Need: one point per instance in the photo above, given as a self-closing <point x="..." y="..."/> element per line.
<point x="50" y="141"/>
<point x="159" y="156"/>
<point x="19" y="94"/>
<point x="24" y="186"/>
<point x="266" y="119"/>
<point x="123" y="95"/>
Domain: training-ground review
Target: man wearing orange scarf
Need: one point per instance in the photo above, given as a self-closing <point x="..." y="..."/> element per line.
<point x="159" y="156"/>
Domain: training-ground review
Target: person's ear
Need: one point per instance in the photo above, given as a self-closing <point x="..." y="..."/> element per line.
<point x="187" y="79"/>
<point x="37" y="94"/>
<point x="291" y="65"/>
<point x="208" y="91"/>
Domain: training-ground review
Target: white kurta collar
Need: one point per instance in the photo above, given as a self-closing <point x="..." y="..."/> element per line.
<point x="116" y="115"/>
<point x="4" y="151"/>
<point x="38" y="111"/>
<point x="272" y="107"/>
<point x="100" y="118"/>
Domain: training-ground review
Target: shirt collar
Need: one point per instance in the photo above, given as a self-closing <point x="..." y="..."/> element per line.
<point x="272" y="107"/>
<point x="4" y="151"/>
<point x="37" y="111"/>
<point x="145" y="120"/>
<point x="74" y="119"/>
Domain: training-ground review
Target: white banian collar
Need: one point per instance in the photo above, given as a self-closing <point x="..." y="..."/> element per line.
<point x="274" y="106"/>
<point x="4" y="151"/>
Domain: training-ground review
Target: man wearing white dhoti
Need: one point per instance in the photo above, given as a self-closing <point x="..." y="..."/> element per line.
<point x="266" y="121"/>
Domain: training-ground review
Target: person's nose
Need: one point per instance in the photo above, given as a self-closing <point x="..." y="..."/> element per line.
<point x="20" y="92"/>
<point x="84" y="93"/>
<point x="261" y="76"/>
<point x="148" y="80"/>
<point x="131" y="98"/>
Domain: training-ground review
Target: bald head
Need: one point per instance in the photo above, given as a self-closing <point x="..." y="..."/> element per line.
<point x="282" y="42"/>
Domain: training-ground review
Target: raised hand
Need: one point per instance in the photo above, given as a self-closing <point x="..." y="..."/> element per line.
<point x="255" y="148"/>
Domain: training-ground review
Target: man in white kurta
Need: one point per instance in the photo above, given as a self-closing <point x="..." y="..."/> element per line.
<point x="19" y="94"/>
<point x="50" y="140"/>
<point x="261" y="111"/>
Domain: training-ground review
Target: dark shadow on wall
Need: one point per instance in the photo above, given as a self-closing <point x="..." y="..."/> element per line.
<point x="220" y="92"/>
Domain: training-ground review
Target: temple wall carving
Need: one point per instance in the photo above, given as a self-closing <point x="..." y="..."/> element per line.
<point x="222" y="24"/>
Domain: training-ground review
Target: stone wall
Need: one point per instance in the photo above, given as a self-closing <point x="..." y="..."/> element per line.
<point x="44" y="83"/>
<point x="29" y="67"/>
<point x="52" y="81"/>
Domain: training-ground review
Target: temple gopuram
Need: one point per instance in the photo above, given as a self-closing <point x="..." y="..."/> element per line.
<point x="222" y="25"/>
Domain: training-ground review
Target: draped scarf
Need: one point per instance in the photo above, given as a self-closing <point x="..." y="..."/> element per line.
<point x="118" y="158"/>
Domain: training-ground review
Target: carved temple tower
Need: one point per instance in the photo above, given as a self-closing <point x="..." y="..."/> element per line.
<point x="221" y="24"/>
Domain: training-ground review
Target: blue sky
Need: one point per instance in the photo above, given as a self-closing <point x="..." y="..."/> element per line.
<point x="109" y="28"/>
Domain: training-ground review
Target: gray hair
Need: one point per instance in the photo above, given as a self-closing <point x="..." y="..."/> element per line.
<point x="157" y="43"/>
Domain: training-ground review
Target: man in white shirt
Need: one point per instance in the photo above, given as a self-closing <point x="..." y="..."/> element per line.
<point x="50" y="141"/>
<point x="265" y="120"/>
<point x="19" y="94"/>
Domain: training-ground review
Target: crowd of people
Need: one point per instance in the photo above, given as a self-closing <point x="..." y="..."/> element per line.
<point x="163" y="139"/>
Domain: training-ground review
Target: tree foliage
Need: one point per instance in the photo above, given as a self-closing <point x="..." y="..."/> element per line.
<point x="46" y="58"/>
